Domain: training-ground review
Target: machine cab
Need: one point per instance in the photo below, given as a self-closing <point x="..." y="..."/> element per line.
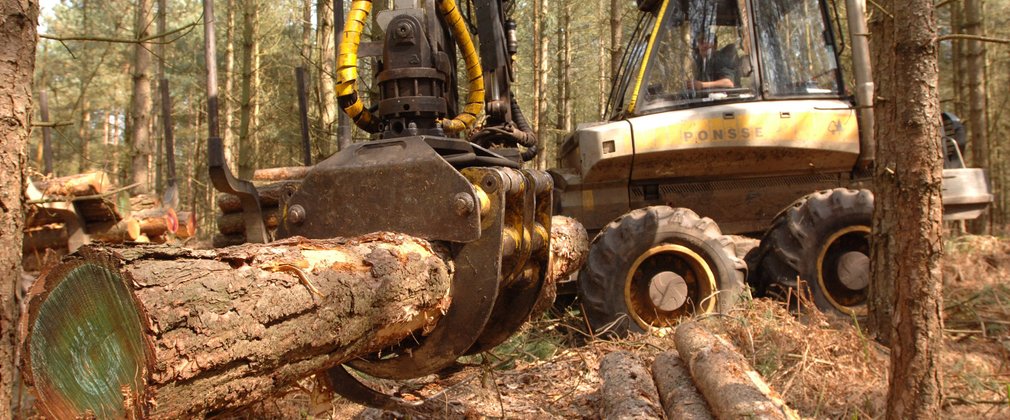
<point x="688" y="53"/>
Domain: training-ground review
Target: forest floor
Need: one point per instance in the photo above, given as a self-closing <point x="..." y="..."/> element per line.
<point x="823" y="367"/>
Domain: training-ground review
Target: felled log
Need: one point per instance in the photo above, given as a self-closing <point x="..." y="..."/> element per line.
<point x="270" y="196"/>
<point x="50" y="236"/>
<point x="79" y="185"/>
<point x="187" y="225"/>
<point x="234" y="223"/>
<point x="677" y="392"/>
<point x="281" y="174"/>
<point x="731" y="386"/>
<point x="627" y="390"/>
<point x="34" y="261"/>
<point x="41" y="216"/>
<point x="141" y="202"/>
<point x="158" y="221"/>
<point x="125" y="230"/>
<point x="569" y="246"/>
<point x="166" y="332"/>
<point x="94" y="210"/>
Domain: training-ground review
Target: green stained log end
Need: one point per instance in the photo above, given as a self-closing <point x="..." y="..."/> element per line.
<point x="87" y="349"/>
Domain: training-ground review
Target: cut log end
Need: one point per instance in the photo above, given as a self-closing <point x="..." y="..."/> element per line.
<point x="85" y="347"/>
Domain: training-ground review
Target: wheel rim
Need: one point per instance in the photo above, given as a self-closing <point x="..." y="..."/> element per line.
<point x="843" y="269"/>
<point x="668" y="282"/>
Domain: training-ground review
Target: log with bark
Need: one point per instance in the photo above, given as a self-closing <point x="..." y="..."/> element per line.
<point x="677" y="392"/>
<point x="281" y="174"/>
<point x="125" y="230"/>
<point x="80" y="185"/>
<point x="233" y="223"/>
<point x="731" y="386"/>
<point x="627" y="391"/>
<point x="165" y="332"/>
<point x="157" y="222"/>
<point x="187" y="225"/>
<point x="50" y="236"/>
<point x="270" y="196"/>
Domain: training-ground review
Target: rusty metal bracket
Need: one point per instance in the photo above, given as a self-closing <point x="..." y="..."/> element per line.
<point x="475" y="289"/>
<point x="224" y="181"/>
<point x="398" y="185"/>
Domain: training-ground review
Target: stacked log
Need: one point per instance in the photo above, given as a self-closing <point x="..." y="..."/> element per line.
<point x="704" y="378"/>
<point x="68" y="212"/>
<point x="230" y="222"/>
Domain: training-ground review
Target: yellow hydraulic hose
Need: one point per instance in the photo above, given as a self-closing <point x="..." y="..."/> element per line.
<point x="474" y="72"/>
<point x="347" y="69"/>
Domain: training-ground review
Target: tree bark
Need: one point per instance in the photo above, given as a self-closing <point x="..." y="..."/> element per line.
<point x="270" y="196"/>
<point x="178" y="343"/>
<point x="140" y="111"/>
<point x="225" y="99"/>
<point x="325" y="75"/>
<point x="616" y="13"/>
<point x="18" y="22"/>
<point x="677" y="392"/>
<point x="114" y="232"/>
<point x="978" y="121"/>
<point x="281" y="174"/>
<point x="246" y="148"/>
<point x="730" y="385"/>
<point x="627" y="390"/>
<point x="543" y="48"/>
<point x="78" y="185"/>
<point x="906" y="246"/>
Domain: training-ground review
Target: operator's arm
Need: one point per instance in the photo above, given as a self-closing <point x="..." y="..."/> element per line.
<point x="724" y="83"/>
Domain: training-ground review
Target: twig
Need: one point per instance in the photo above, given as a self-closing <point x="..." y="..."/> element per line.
<point x="301" y="277"/>
<point x="51" y="124"/>
<point x="146" y="39"/>
<point x="882" y="9"/>
<point x="973" y="38"/>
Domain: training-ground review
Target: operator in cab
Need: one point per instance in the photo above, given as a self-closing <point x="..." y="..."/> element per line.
<point x="713" y="68"/>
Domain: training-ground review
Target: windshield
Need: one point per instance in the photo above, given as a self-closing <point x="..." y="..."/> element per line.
<point x="624" y="80"/>
<point x="797" y="48"/>
<point x="701" y="54"/>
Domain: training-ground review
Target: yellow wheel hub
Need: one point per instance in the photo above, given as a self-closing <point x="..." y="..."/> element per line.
<point x="668" y="282"/>
<point x="843" y="265"/>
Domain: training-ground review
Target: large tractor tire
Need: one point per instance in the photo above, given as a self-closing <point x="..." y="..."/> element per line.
<point x="652" y="266"/>
<point x="822" y="240"/>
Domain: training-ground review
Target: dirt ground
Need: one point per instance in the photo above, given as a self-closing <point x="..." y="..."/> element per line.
<point x="822" y="366"/>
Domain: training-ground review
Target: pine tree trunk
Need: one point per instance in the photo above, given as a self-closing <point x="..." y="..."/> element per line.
<point x="603" y="80"/>
<point x="978" y="122"/>
<point x="616" y="9"/>
<point x="325" y="77"/>
<point x="227" y="93"/>
<point x="541" y="101"/>
<point x="246" y="149"/>
<point x="17" y="62"/>
<point x="907" y="226"/>
<point x="140" y="110"/>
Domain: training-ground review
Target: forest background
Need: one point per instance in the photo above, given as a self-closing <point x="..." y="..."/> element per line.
<point x="101" y="84"/>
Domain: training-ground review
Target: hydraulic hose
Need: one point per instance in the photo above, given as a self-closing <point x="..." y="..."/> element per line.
<point x="347" y="68"/>
<point x="527" y="137"/>
<point x="474" y="73"/>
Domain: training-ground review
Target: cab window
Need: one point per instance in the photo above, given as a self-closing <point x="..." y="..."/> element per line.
<point x="797" y="51"/>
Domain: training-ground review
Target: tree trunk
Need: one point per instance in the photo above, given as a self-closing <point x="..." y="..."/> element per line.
<point x="140" y="111"/>
<point x="246" y="149"/>
<point x="17" y="63"/>
<point x="538" y="65"/>
<point x="177" y="343"/>
<point x="543" y="48"/>
<point x="616" y="11"/>
<point x="564" y="103"/>
<point x="677" y="392"/>
<point x="270" y="196"/>
<point x="978" y="121"/>
<point x="84" y="134"/>
<point x="344" y="139"/>
<point x="285" y="173"/>
<point x="627" y="390"/>
<point x="907" y="244"/>
<point x="225" y="98"/>
<point x="731" y="386"/>
<point x="78" y="185"/>
<point x="325" y="76"/>
<point x="603" y="60"/>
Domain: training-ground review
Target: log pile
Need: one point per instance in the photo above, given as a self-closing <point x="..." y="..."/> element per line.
<point x="170" y="332"/>
<point x="704" y="378"/>
<point x="68" y="212"/>
<point x="230" y="222"/>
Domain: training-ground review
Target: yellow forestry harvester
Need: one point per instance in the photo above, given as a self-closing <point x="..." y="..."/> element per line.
<point x="723" y="110"/>
<point x="743" y="113"/>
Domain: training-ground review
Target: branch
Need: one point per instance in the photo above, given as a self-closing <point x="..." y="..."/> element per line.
<point x="973" y="38"/>
<point x="51" y="124"/>
<point x="144" y="40"/>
